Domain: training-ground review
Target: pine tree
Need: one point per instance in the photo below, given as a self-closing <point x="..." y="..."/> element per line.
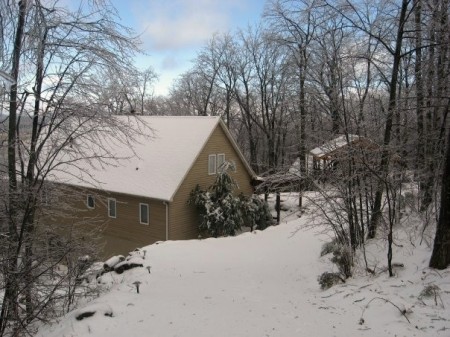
<point x="223" y="213"/>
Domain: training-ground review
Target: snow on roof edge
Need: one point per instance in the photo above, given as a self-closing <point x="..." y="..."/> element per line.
<point x="332" y="145"/>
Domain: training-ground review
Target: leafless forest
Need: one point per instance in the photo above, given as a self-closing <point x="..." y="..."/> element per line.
<point x="310" y="71"/>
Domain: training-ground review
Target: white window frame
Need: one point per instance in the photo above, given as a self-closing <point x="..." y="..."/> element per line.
<point x="115" y="208"/>
<point x="49" y="197"/>
<point x="93" y="201"/>
<point x="212" y="160"/>
<point x="45" y="197"/>
<point x="220" y="161"/>
<point x="140" y="213"/>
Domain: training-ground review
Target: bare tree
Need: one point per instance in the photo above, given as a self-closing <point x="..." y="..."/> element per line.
<point x="295" y="23"/>
<point x="395" y="52"/>
<point x="65" y="52"/>
<point x="131" y="92"/>
<point x="440" y="257"/>
<point x="432" y="52"/>
<point x="10" y="299"/>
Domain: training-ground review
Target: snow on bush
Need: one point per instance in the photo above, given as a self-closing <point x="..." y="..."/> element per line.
<point x="256" y="213"/>
<point x="111" y="262"/>
<point x="222" y="213"/>
<point x="132" y="262"/>
<point x="89" y="311"/>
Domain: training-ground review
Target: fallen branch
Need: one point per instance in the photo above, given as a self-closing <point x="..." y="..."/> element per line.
<point x="402" y="311"/>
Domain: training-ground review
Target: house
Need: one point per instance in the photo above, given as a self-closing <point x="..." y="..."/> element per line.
<point x="139" y="188"/>
<point x="326" y="156"/>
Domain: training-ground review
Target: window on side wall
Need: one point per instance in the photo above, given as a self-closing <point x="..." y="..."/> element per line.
<point x="45" y="197"/>
<point x="90" y="201"/>
<point x="212" y="164"/>
<point x="112" y="211"/>
<point x="143" y="214"/>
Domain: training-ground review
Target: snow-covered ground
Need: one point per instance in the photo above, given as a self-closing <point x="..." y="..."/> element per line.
<point x="265" y="284"/>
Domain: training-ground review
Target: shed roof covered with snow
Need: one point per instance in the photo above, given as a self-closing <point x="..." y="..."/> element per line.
<point x="324" y="150"/>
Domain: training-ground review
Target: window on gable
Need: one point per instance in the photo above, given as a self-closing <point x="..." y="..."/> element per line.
<point x="112" y="211"/>
<point x="143" y="214"/>
<point x="220" y="160"/>
<point x="212" y="164"/>
<point x="90" y="201"/>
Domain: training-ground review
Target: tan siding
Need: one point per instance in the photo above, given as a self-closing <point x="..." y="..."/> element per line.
<point x="125" y="232"/>
<point x="183" y="217"/>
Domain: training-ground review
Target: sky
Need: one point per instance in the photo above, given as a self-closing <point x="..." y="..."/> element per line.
<point x="173" y="31"/>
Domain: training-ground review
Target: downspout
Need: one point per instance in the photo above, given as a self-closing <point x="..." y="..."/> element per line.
<point x="167" y="219"/>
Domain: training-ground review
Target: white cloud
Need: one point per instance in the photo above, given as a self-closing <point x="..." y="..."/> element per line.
<point x="177" y="24"/>
<point x="173" y="30"/>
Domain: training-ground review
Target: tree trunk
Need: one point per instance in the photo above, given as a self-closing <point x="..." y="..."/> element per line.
<point x="278" y="207"/>
<point x="440" y="257"/>
<point x="420" y="163"/>
<point x="385" y="154"/>
<point x="9" y="309"/>
<point x="302" y="130"/>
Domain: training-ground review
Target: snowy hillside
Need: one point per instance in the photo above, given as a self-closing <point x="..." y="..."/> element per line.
<point x="265" y="284"/>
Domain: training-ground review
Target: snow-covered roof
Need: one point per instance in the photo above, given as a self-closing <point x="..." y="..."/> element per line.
<point x="333" y="145"/>
<point x="152" y="165"/>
